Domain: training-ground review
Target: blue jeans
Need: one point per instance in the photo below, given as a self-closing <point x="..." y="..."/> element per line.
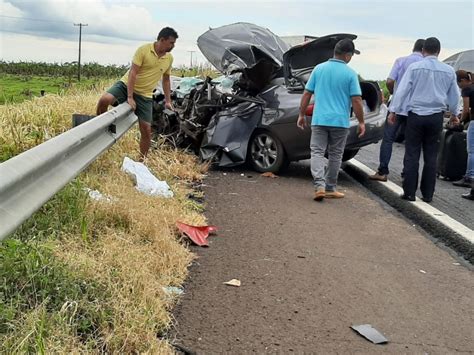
<point x="389" y="135"/>
<point x="470" y="151"/>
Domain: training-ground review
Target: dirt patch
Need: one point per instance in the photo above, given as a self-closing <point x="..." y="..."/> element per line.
<point x="311" y="270"/>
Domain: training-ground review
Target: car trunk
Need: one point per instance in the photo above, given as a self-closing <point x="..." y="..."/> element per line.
<point x="299" y="61"/>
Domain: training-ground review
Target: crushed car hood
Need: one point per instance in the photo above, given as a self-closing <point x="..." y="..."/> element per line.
<point x="300" y="60"/>
<point x="240" y="46"/>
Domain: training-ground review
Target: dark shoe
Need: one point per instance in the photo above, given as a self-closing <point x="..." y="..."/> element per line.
<point x="464" y="182"/>
<point x="378" y="177"/>
<point x="408" y="198"/>
<point x="469" y="196"/>
<point x="427" y="200"/>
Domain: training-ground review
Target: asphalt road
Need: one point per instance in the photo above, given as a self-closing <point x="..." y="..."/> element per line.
<point x="447" y="197"/>
<point x="310" y="270"/>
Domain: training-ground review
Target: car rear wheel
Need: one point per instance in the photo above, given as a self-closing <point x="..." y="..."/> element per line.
<point x="266" y="153"/>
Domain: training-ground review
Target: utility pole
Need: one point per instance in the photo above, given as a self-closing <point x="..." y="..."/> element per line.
<point x="191" y="62"/>
<point x="79" y="61"/>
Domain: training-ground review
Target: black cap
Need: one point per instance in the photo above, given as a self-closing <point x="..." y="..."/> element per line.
<point x="346" y="46"/>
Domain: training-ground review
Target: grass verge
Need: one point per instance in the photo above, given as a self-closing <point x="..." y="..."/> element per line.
<point x="90" y="276"/>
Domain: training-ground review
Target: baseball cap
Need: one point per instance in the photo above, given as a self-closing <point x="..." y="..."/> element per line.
<point x="346" y="46"/>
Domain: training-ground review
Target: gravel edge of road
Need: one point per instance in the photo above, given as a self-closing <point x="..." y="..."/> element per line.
<point x="438" y="231"/>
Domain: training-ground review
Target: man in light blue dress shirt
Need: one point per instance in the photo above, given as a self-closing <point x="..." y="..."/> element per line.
<point x="391" y="130"/>
<point x="427" y="90"/>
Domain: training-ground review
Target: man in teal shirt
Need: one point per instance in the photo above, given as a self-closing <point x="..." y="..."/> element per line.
<point x="336" y="88"/>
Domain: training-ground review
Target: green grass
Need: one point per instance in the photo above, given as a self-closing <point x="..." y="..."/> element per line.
<point x="62" y="215"/>
<point x="18" y="88"/>
<point x="35" y="285"/>
<point x="40" y="296"/>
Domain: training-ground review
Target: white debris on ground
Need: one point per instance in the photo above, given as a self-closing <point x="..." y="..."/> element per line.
<point x="145" y="181"/>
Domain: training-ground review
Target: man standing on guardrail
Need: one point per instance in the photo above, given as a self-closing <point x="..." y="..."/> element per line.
<point x="151" y="62"/>
<point x="427" y="89"/>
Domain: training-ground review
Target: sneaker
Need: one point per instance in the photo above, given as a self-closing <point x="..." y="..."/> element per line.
<point x="319" y="194"/>
<point x="378" y="177"/>
<point x="334" y="194"/>
<point x="464" y="182"/>
<point x="469" y="196"/>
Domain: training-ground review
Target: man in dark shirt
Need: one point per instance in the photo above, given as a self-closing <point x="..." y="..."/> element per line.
<point x="466" y="85"/>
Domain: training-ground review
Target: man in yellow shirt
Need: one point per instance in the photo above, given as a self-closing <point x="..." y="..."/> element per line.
<point x="151" y="62"/>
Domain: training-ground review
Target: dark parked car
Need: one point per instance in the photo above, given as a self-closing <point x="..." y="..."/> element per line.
<point x="256" y="121"/>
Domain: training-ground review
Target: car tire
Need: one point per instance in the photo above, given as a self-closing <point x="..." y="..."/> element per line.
<point x="266" y="153"/>
<point x="349" y="154"/>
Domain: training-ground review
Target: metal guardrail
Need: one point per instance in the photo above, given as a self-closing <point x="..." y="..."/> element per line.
<point x="31" y="178"/>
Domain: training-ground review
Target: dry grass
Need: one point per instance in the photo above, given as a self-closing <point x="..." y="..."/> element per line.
<point x="130" y="247"/>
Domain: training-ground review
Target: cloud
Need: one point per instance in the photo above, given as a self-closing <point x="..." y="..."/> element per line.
<point x="55" y="19"/>
<point x="116" y="28"/>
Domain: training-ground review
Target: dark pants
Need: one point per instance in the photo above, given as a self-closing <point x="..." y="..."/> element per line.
<point x="389" y="134"/>
<point x="421" y="132"/>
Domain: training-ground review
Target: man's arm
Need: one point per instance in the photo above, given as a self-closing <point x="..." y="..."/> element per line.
<point x="390" y="85"/>
<point x="403" y="90"/>
<point x="167" y="91"/>
<point x="301" y="123"/>
<point x="359" y="113"/>
<point x="453" y="96"/>
<point x="465" y="115"/>
<point x="132" y="78"/>
<point x="393" y="76"/>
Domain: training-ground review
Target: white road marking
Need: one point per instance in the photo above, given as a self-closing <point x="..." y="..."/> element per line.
<point x="455" y="226"/>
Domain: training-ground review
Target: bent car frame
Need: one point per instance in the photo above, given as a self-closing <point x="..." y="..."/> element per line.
<point x="253" y="119"/>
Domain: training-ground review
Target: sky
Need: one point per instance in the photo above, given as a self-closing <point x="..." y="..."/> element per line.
<point x="44" y="31"/>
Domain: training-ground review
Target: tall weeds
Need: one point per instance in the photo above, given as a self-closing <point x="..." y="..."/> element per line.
<point x="90" y="276"/>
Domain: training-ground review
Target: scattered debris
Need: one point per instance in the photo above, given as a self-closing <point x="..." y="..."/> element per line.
<point x="457" y="264"/>
<point x="172" y="290"/>
<point x="96" y="195"/>
<point x="196" y="197"/>
<point x="198" y="234"/>
<point x="233" y="282"/>
<point x="270" y="175"/>
<point x="146" y="182"/>
<point x="370" y="333"/>
<point x="423" y="271"/>
<point x="301" y="256"/>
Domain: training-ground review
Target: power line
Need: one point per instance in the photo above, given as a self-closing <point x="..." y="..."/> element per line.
<point x="33" y="19"/>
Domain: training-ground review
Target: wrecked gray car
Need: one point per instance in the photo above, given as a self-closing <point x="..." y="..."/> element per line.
<point x="255" y="121"/>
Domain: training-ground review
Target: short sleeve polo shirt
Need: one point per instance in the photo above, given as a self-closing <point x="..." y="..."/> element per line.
<point x="151" y="71"/>
<point x="333" y="84"/>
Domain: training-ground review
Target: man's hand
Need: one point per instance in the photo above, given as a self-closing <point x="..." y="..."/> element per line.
<point x="454" y="120"/>
<point x="392" y="118"/>
<point x="169" y="105"/>
<point x="361" y="130"/>
<point x="132" y="103"/>
<point x="301" y="123"/>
